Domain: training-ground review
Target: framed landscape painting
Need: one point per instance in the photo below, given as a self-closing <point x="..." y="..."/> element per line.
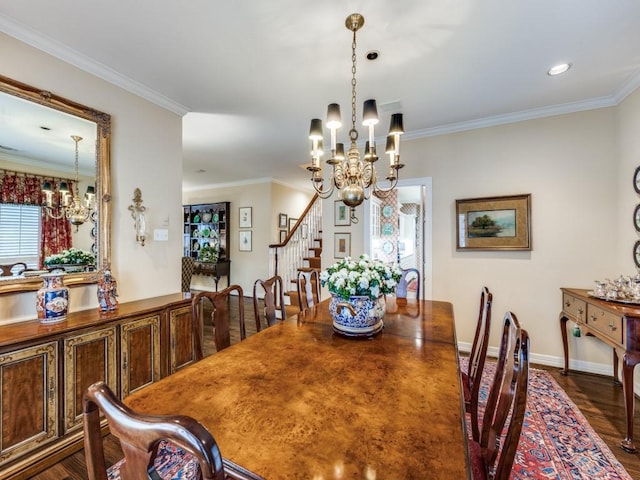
<point x="494" y="223"/>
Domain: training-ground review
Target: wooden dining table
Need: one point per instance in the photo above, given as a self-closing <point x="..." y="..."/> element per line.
<point x="299" y="401"/>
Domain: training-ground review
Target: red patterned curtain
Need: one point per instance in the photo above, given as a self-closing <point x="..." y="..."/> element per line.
<point x="26" y="189"/>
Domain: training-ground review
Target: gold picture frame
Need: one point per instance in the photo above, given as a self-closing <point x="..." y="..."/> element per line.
<point x="342" y="245"/>
<point x="494" y="223"/>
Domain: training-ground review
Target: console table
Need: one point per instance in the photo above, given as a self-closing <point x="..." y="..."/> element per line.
<point x="616" y="324"/>
<point x="215" y="270"/>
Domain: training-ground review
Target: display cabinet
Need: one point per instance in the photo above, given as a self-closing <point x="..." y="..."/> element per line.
<point x="206" y="226"/>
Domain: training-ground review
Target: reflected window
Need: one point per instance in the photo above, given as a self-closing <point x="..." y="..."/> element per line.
<point x="19" y="234"/>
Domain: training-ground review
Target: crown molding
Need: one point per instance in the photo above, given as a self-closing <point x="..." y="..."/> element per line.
<point x="523" y="116"/>
<point x="77" y="59"/>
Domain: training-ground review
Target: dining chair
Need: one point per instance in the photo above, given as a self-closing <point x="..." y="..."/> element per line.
<point x="409" y="280"/>
<point x="146" y="441"/>
<point x="308" y="288"/>
<point x="492" y="457"/>
<point x="220" y="317"/>
<point x="273" y="301"/>
<point x="12" y="269"/>
<point x="471" y="378"/>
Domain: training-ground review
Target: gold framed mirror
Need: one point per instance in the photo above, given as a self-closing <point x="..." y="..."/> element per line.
<point x="101" y="231"/>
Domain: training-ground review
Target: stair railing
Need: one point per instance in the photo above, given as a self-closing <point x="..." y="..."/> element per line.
<point x="287" y="257"/>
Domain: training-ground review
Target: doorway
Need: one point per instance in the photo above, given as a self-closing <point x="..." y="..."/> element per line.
<point x="398" y="228"/>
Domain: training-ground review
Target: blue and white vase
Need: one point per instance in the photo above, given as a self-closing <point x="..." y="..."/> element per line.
<point x="360" y="316"/>
<point x="52" y="300"/>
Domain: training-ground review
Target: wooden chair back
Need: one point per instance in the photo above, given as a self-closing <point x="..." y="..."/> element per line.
<point x="220" y="317"/>
<point x="12" y="269"/>
<point x="308" y="288"/>
<point x="140" y="436"/>
<point x="408" y="275"/>
<point x="273" y="301"/>
<point x="507" y="400"/>
<point x="477" y="359"/>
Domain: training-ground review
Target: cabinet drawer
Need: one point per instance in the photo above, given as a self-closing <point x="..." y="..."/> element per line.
<point x="606" y="323"/>
<point x="574" y="307"/>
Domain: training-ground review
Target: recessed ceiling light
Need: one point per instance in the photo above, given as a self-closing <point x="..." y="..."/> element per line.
<point x="559" y="69"/>
<point x="373" y="55"/>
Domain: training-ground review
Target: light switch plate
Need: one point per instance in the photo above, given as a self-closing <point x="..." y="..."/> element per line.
<point x="161" y="235"/>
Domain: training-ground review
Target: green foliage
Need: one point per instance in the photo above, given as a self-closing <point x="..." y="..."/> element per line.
<point x="73" y="256"/>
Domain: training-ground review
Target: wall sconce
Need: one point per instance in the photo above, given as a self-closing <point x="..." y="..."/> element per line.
<point x="137" y="213"/>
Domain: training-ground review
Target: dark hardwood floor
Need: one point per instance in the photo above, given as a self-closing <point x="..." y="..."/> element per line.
<point x="599" y="399"/>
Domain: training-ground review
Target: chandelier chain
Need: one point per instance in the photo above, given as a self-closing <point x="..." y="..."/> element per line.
<point x="353" y="89"/>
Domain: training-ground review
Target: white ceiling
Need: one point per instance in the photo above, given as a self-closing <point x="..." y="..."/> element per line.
<point x="252" y="74"/>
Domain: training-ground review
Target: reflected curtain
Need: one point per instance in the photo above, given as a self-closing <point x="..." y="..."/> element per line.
<point x="26" y="189"/>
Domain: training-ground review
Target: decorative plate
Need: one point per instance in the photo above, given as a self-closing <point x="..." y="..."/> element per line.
<point x="636" y="180"/>
<point x="215" y="218"/>
<point x="636" y="218"/>
<point x="205" y="233"/>
<point x="636" y="253"/>
<point x="387" y="247"/>
<point x="387" y="211"/>
<point x="387" y="229"/>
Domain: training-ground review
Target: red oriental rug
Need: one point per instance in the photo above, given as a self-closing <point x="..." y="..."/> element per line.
<point x="557" y="441"/>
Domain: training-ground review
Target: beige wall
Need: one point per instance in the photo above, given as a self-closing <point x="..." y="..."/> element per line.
<point x="267" y="200"/>
<point x="568" y="164"/>
<point x="144" y="137"/>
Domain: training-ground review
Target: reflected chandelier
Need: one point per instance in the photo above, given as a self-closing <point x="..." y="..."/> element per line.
<point x="356" y="178"/>
<point x="70" y="206"/>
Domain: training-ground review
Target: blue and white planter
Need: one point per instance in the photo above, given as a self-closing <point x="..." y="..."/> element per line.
<point x="360" y="316"/>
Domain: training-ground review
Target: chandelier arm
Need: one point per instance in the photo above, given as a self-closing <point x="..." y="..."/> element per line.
<point x="49" y="211"/>
<point x="384" y="192"/>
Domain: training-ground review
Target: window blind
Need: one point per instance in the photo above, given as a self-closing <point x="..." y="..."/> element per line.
<point x="19" y="234"/>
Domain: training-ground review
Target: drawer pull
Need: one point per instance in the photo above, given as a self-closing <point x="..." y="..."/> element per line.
<point x="580" y="311"/>
<point x="567" y="303"/>
<point x="612" y="327"/>
<point x="593" y="318"/>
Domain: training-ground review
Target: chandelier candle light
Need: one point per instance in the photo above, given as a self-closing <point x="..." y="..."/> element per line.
<point x="70" y="205"/>
<point x="355" y="177"/>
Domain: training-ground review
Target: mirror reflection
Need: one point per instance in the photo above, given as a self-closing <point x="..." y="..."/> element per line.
<point x="54" y="180"/>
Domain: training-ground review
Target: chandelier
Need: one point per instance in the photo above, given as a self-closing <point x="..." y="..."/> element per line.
<point x="70" y="206"/>
<point x="355" y="177"/>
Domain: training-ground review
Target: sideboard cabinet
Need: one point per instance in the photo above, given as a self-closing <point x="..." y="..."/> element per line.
<point x="45" y="369"/>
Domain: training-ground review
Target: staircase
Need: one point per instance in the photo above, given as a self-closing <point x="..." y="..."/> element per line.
<point x="313" y="262"/>
<point x="300" y="251"/>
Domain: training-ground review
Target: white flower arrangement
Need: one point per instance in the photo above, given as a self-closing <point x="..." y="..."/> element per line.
<point x="363" y="277"/>
<point x="72" y="256"/>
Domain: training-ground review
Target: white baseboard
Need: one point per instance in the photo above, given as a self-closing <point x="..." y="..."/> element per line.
<point x="552" y="361"/>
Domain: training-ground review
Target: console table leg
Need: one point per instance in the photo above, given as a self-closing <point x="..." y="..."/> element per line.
<point x="616" y="378"/>
<point x="565" y="344"/>
<point x="628" y="364"/>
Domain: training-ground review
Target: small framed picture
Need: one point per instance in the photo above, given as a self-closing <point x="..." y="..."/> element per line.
<point x="282" y="220"/>
<point x="342" y="245"/>
<point x="292" y="223"/>
<point x="341" y="214"/>
<point x="245" y="241"/>
<point x="245" y="217"/>
<point x="283" y="235"/>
